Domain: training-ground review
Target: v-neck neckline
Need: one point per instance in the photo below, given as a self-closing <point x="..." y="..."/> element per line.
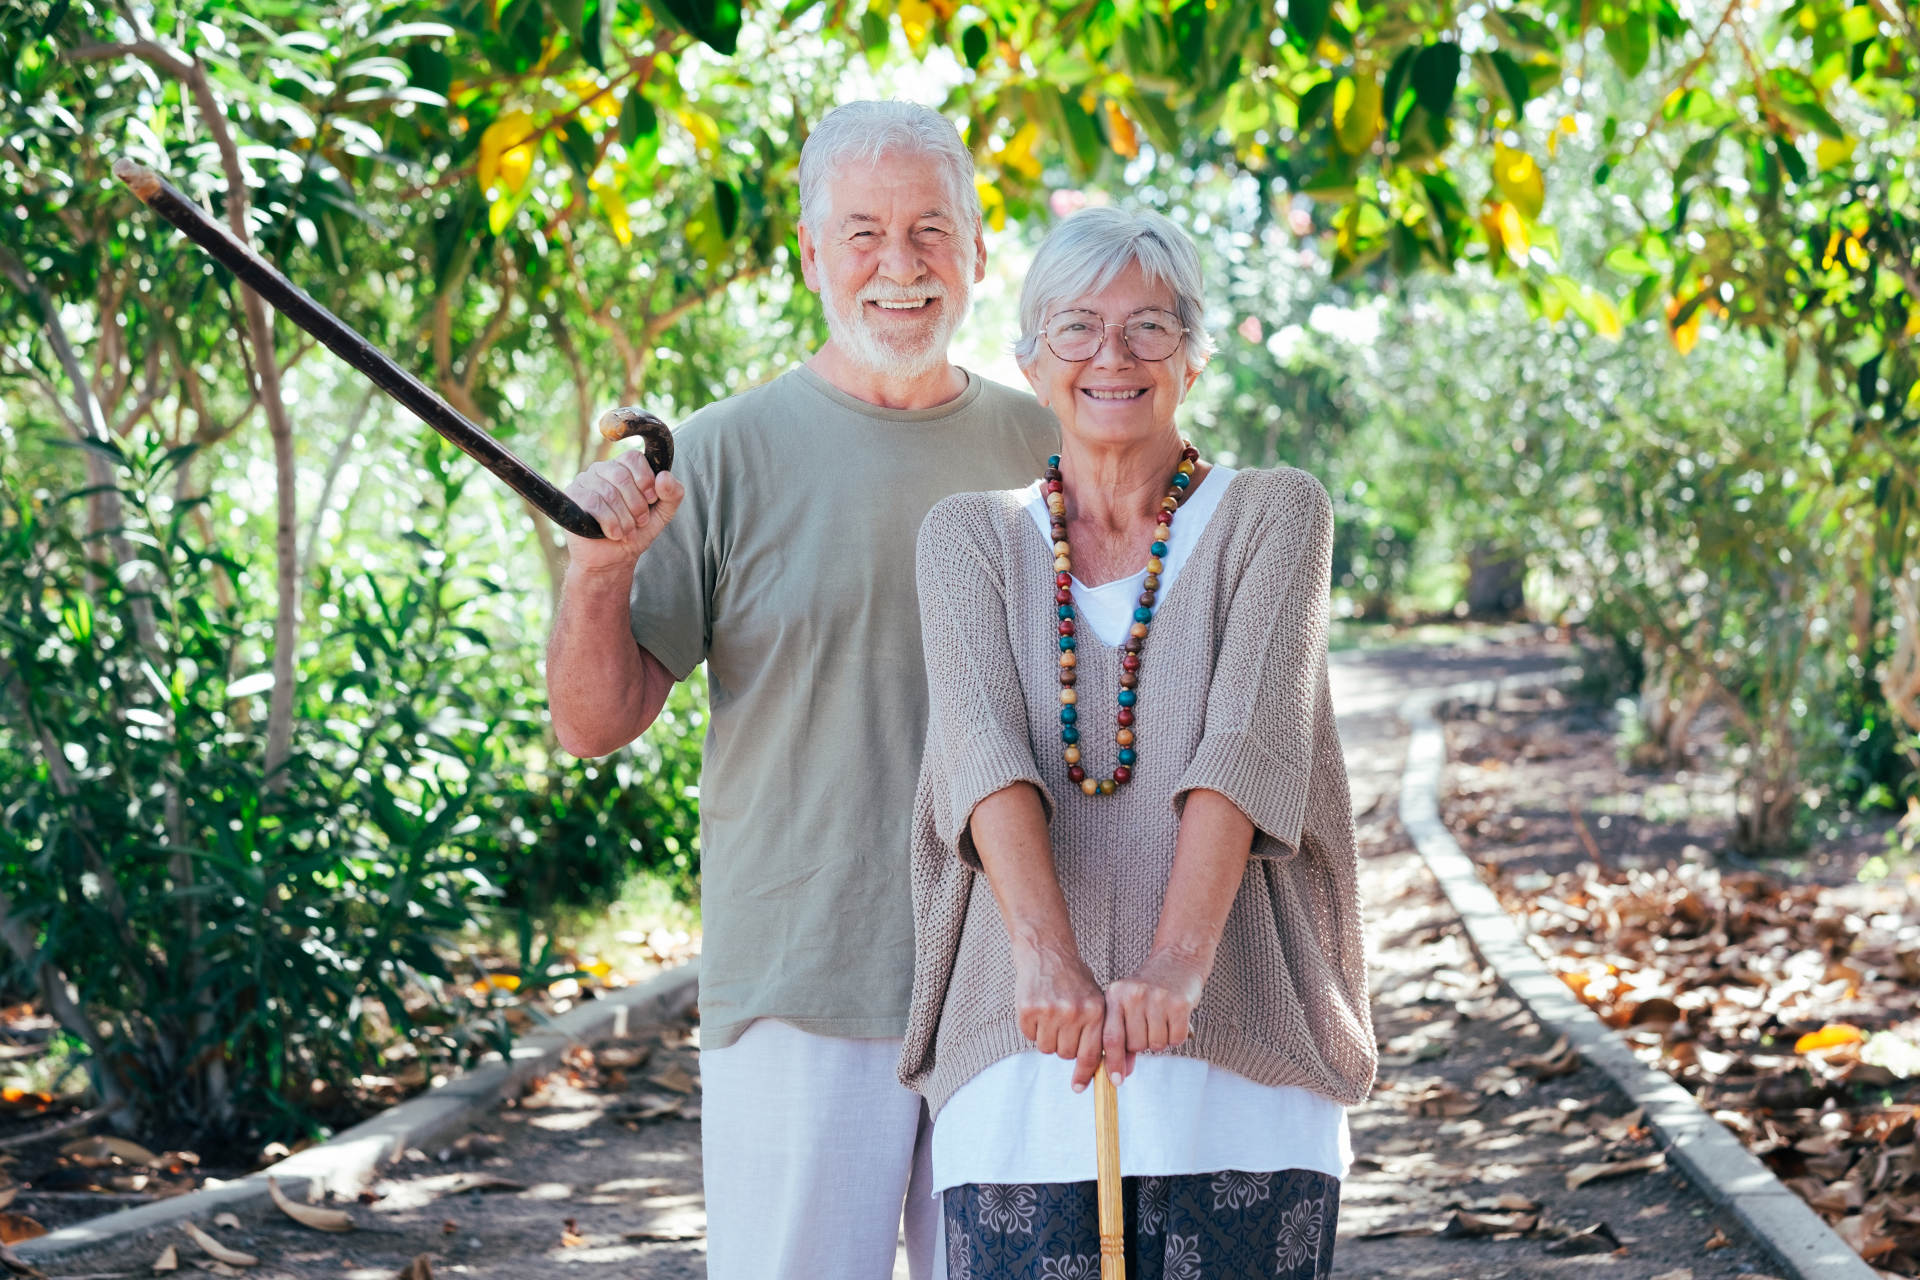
<point x="1173" y="593"/>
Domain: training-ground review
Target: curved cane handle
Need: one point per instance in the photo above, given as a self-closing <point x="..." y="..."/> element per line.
<point x="627" y="422"/>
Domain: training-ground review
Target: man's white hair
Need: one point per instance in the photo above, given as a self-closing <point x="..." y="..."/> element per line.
<point x="862" y="132"/>
<point x="1088" y="251"/>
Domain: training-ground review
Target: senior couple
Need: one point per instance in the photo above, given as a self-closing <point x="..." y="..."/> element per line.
<point x="1021" y="757"/>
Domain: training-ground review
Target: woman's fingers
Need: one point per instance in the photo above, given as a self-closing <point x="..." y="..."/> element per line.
<point x="1087" y="1061"/>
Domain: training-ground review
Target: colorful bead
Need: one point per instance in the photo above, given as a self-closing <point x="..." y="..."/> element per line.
<point x="1054" y="488"/>
<point x="1053" y="460"/>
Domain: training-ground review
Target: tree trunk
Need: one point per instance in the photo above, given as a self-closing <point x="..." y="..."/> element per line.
<point x="1496" y="582"/>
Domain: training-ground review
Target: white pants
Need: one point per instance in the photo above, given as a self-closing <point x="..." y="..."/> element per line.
<point x="810" y="1147"/>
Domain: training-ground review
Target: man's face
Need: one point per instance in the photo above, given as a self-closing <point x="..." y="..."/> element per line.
<point x="895" y="263"/>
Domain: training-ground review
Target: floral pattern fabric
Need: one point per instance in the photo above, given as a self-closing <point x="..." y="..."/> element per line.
<point x="1208" y="1226"/>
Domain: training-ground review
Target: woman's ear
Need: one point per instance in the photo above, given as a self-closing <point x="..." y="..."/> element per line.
<point x="1032" y="376"/>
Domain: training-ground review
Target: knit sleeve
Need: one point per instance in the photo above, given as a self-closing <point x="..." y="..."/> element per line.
<point x="1257" y="745"/>
<point x="977" y="736"/>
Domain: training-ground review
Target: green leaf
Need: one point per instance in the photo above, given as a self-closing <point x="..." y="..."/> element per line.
<point x="1630" y="42"/>
<point x="974" y="45"/>
<point x="1356" y="111"/>
<point x="1512" y="78"/>
<point x="726" y="203"/>
<point x="715" y="23"/>
<point x="1436" y="73"/>
<point x="1308" y="18"/>
<point x="1860" y="23"/>
<point x="54" y="16"/>
<point x="637" y="118"/>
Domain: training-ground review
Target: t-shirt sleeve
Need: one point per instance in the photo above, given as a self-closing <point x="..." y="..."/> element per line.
<point x="977" y="737"/>
<point x="1257" y="745"/>
<point x="671" y="605"/>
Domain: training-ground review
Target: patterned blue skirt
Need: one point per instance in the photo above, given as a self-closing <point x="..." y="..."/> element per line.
<point x="1207" y="1226"/>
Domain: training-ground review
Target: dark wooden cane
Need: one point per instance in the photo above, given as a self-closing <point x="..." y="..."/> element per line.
<point x="339" y="337"/>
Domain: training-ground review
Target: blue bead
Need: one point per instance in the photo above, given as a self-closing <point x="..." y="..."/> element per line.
<point x="1069" y="735"/>
<point x="1054" y="461"/>
<point x="1126" y="698"/>
<point x="1126" y="755"/>
<point x="1066" y="642"/>
<point x="1068" y="715"/>
<point x="1143" y="614"/>
<point x="1066" y="611"/>
<point x="1158" y="548"/>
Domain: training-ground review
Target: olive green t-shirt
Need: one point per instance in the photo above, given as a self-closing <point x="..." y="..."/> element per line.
<point x="789" y="571"/>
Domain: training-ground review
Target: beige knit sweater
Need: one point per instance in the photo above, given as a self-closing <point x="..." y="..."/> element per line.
<point x="1233" y="698"/>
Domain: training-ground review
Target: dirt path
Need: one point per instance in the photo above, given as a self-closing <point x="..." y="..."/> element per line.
<point x="597" y="1189"/>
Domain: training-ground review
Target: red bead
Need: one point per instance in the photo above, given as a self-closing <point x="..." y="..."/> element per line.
<point x="1077" y="773"/>
<point x="1054" y="486"/>
<point x="1063" y="579"/>
<point x="1190" y="453"/>
<point x="1126" y="716"/>
<point x="1066" y="626"/>
<point x="1122" y="774"/>
<point x="1130" y="661"/>
<point x="1063" y="595"/>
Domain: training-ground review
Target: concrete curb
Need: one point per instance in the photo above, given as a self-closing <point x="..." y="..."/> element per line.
<point x="1710" y="1156"/>
<point x="346" y="1162"/>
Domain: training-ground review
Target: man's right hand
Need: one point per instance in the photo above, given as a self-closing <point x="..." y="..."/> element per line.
<point x="1061" y="1007"/>
<point x="632" y="505"/>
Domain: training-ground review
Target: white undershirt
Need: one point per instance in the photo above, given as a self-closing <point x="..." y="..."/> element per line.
<point x="1019" y="1120"/>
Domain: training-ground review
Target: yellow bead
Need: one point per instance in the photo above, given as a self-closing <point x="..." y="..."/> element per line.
<point x="1154" y="565"/>
<point x="1107" y="786"/>
<point x="1061" y="548"/>
<point x="1068" y="697"/>
<point x="1062" y="565"/>
<point x="1067" y="659"/>
<point x="1073" y="755"/>
<point x="1185" y="468"/>
<point x="1056" y="503"/>
<point x="1124" y="737"/>
<point x="1089" y="786"/>
<point x="1163" y="532"/>
<point x="1138" y="631"/>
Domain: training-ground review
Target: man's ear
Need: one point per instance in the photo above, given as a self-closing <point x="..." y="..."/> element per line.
<point x="809" y="259"/>
<point x="979" y="252"/>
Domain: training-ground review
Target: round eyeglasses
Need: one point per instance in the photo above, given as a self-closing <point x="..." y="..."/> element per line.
<point x="1149" y="334"/>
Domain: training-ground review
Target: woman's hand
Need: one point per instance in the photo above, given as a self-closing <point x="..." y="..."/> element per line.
<point x="1061" y="1008"/>
<point x="1151" y="1009"/>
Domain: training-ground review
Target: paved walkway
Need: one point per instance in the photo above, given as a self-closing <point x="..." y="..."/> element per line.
<point x="596" y="1192"/>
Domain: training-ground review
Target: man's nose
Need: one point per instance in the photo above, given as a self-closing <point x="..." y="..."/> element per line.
<point x="901" y="263"/>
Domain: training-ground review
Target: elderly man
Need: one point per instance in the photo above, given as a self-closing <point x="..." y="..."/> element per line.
<point x="781" y="554"/>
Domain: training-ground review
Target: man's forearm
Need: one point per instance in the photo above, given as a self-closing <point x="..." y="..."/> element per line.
<point x="602" y="688"/>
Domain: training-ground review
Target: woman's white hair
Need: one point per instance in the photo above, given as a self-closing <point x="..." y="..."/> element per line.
<point x="862" y="132"/>
<point x="1088" y="251"/>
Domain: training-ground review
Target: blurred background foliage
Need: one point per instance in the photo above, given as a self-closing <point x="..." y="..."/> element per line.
<point x="1594" y="312"/>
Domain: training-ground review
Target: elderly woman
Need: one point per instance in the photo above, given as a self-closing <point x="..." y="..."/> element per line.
<point x="1133" y="838"/>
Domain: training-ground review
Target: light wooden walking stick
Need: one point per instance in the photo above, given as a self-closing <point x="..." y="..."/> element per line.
<point x="1106" y="1152"/>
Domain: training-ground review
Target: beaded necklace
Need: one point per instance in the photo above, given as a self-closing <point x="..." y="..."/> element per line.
<point x="1055" y="489"/>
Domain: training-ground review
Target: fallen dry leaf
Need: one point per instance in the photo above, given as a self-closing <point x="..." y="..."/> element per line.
<point x="1834" y="1035"/>
<point x="1623" y="1127"/>
<point x="674" y="1078"/>
<point x="1471" y="1225"/>
<point x="1718" y="1240"/>
<point x="101" y="1150"/>
<point x="1583" y="1174"/>
<point x="15" y="1227"/>
<point x="1558" y="1061"/>
<point x="1678" y="1273"/>
<point x="483" y="1182"/>
<point x="309" y="1215"/>
<point x="421" y="1268"/>
<point x="227" y="1220"/>
<point x="217" y="1251"/>
<point x="570" y="1237"/>
<point x="7" y="1193"/>
<point x="169" y="1260"/>
<point x="1598" y="1238"/>
<point x="665" y="1236"/>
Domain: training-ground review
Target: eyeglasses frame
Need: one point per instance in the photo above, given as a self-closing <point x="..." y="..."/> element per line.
<point x="1121" y="325"/>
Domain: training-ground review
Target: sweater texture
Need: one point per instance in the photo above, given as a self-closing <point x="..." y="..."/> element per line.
<point x="1233" y="698"/>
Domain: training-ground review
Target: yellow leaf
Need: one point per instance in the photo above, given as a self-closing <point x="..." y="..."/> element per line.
<point x="1833" y="152"/>
<point x="1356" y="111"/>
<point x="916" y="19"/>
<point x="506" y="153"/>
<point x="500" y="213"/>
<point x="615" y="210"/>
<point x="1856" y="253"/>
<point x="598" y="968"/>
<point x="497" y="982"/>
<point x="993" y="205"/>
<point x="1832" y="1036"/>
<point x="1605" y="316"/>
<point x="1120" y="132"/>
<point x="1513" y="231"/>
<point x="1686" y="333"/>
<point x="1912" y="330"/>
<point x="1519" y="180"/>
<point x="1833" y="252"/>
<point x="705" y="131"/>
<point x="1018" y="154"/>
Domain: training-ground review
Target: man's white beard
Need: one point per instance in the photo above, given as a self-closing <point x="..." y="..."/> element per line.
<point x="911" y="353"/>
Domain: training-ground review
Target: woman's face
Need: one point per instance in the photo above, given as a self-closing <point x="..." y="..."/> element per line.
<point x="1113" y="398"/>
